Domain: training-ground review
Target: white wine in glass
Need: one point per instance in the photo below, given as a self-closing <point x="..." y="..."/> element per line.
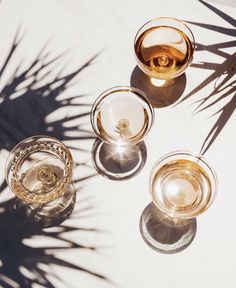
<point x="164" y="48"/>
<point x="122" y="116"/>
<point x="183" y="185"/>
<point x="39" y="172"/>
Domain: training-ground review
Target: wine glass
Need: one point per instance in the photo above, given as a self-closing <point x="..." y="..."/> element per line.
<point x="39" y="172"/>
<point x="122" y="116"/>
<point x="182" y="185"/>
<point x="164" y="48"/>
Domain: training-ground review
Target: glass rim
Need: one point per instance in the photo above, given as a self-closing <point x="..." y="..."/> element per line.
<point x="137" y="92"/>
<point x="32" y="138"/>
<point x="214" y="180"/>
<point x="166" y="17"/>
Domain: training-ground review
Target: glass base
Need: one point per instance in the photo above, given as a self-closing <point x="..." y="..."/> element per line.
<point x="161" y="83"/>
<point x="118" y="162"/>
<point x="160" y="93"/>
<point x="49" y="214"/>
<point x="165" y="234"/>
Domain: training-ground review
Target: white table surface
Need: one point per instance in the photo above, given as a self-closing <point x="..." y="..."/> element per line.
<point x="105" y="29"/>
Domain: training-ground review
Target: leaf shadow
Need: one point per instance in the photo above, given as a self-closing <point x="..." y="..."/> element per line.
<point x="18" y="258"/>
<point x="26" y="100"/>
<point x="25" y="115"/>
<point x="221" y="76"/>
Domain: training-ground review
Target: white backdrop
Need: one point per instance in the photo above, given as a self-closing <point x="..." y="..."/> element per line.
<point x="105" y="30"/>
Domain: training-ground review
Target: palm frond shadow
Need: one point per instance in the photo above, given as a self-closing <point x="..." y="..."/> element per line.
<point x="26" y="100"/>
<point x="222" y="77"/>
<point x="18" y="258"/>
<point x="25" y="115"/>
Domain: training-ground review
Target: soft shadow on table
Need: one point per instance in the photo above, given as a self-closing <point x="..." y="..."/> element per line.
<point x="46" y="215"/>
<point x="222" y="77"/>
<point x="231" y="21"/>
<point x="230" y="3"/>
<point x="116" y="162"/>
<point x="162" y="235"/>
<point x="27" y="98"/>
<point x="159" y="97"/>
<point x="25" y="266"/>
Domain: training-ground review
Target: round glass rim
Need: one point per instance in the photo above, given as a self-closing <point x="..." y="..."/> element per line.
<point x="191" y="154"/>
<point x="137" y="92"/>
<point x="165" y="17"/>
<point x="32" y="138"/>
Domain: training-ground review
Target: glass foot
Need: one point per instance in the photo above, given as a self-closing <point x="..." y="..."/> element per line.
<point x="160" y="93"/>
<point x="49" y="214"/>
<point x="118" y="162"/>
<point x="162" y="83"/>
<point x="165" y="234"/>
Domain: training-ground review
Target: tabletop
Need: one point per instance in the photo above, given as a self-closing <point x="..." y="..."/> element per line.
<point x="56" y="58"/>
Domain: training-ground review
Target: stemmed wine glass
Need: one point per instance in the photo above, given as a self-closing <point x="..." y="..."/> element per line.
<point x="183" y="185"/>
<point x="121" y="117"/>
<point x="39" y="172"/>
<point x="164" y="48"/>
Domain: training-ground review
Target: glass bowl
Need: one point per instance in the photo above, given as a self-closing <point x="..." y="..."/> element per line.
<point x="183" y="185"/>
<point x="164" y="48"/>
<point x="122" y="116"/>
<point x="39" y="169"/>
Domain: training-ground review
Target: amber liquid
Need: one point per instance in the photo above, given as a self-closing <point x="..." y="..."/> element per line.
<point x="163" y="52"/>
<point x="182" y="186"/>
<point x="40" y="172"/>
<point x="123" y="119"/>
<point x="120" y="131"/>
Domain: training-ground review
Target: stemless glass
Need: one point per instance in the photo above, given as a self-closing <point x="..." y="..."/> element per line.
<point x="164" y="48"/>
<point x="122" y="116"/>
<point x="39" y="172"/>
<point x="183" y="185"/>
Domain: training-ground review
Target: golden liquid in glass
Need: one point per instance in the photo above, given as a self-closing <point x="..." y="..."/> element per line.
<point x="119" y="129"/>
<point x="181" y="186"/>
<point x="123" y="119"/>
<point x="163" y="52"/>
<point x="41" y="172"/>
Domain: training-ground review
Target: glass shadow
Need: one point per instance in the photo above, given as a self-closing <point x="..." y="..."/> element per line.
<point x="49" y="214"/>
<point x="158" y="96"/>
<point x="163" y="234"/>
<point x="118" y="162"/>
